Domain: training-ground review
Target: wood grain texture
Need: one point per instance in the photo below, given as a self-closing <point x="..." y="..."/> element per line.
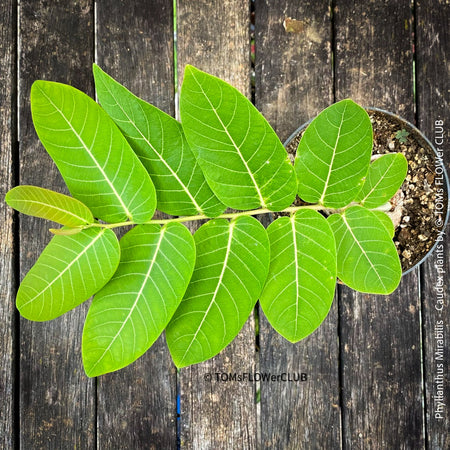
<point x="8" y="130"/>
<point x="294" y="81"/>
<point x="305" y="414"/>
<point x="381" y="374"/>
<point x="432" y="68"/>
<point x="57" y="401"/>
<point x="214" y="36"/>
<point x="374" y="54"/>
<point x="294" y="72"/>
<point x="380" y="336"/>
<point x="137" y="405"/>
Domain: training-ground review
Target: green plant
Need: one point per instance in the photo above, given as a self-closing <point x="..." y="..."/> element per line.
<point x="402" y="136"/>
<point x="122" y="162"/>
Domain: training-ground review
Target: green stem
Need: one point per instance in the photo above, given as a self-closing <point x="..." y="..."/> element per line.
<point x="254" y="212"/>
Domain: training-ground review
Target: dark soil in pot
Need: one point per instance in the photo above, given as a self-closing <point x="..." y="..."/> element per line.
<point x="424" y="194"/>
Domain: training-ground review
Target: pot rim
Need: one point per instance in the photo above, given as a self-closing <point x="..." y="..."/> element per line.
<point x="438" y="162"/>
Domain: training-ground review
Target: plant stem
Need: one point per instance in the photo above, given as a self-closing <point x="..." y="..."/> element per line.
<point x="254" y="212"/>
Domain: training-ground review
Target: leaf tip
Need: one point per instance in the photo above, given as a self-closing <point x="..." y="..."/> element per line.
<point x="404" y="162"/>
<point x="38" y="87"/>
<point x="7" y="198"/>
<point x="91" y="367"/>
<point x="91" y="370"/>
<point x="89" y="374"/>
<point x="179" y="365"/>
<point x="98" y="71"/>
<point x="191" y="70"/>
<point x="36" y="84"/>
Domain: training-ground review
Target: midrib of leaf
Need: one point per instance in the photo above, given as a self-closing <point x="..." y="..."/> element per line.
<point x="362" y="250"/>
<point x="377" y="183"/>
<point x="261" y="199"/>
<point x="67" y="267"/>
<point x="332" y="158"/>
<point x="128" y="213"/>
<point x="172" y="172"/>
<point x="138" y="296"/>
<point x="296" y="272"/>
<point x="219" y="283"/>
<point x="52" y="207"/>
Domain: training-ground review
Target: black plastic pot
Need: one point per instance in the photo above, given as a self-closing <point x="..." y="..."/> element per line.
<point x="417" y="135"/>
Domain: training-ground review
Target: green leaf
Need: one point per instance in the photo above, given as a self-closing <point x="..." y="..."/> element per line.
<point x="387" y="222"/>
<point x="68" y="272"/>
<point x="385" y="176"/>
<point x="230" y="270"/>
<point x="95" y="160"/>
<point x="302" y="275"/>
<point x="159" y="141"/>
<point x="367" y="259"/>
<point x="242" y="158"/>
<point x="334" y="154"/>
<point x="39" y="202"/>
<point x="132" y="310"/>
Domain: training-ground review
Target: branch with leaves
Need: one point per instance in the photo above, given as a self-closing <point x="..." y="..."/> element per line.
<point x="123" y="160"/>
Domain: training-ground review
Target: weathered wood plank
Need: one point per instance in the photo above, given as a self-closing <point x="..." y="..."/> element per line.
<point x="294" y="73"/>
<point x="57" y="401"/>
<point x="380" y="336"/>
<point x="8" y="130"/>
<point x="294" y="81"/>
<point x="137" y="405"/>
<point x="374" y="54"/>
<point x="214" y="36"/>
<point x="432" y="18"/>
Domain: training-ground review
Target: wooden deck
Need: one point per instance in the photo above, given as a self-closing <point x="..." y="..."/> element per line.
<point x="371" y="367"/>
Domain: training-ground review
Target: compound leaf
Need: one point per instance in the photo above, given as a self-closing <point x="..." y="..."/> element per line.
<point x="242" y="158"/>
<point x="159" y="141"/>
<point x="367" y="259"/>
<point x="230" y="270"/>
<point x="95" y="160"/>
<point x="302" y="275"/>
<point x="68" y="272"/>
<point x="132" y="310"/>
<point x="334" y="154"/>
<point x="40" y="202"/>
<point x="385" y="176"/>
